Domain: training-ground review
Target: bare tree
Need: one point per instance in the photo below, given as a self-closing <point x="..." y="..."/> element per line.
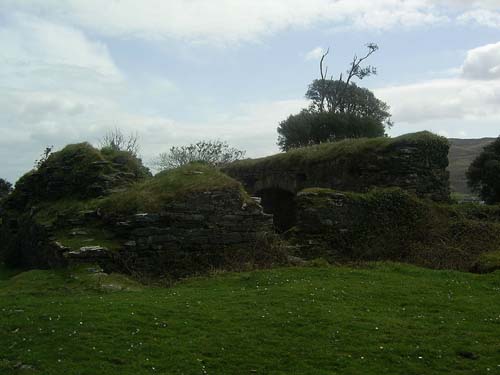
<point x="323" y="81"/>
<point x="116" y="140"/>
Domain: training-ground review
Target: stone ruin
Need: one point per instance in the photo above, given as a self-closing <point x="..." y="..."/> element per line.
<point x="60" y="215"/>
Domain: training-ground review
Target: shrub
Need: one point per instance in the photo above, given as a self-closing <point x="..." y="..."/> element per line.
<point x="483" y="175"/>
<point x="215" y="153"/>
<point x="117" y="141"/>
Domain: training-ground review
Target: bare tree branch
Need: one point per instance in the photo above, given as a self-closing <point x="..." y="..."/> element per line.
<point x="323" y="80"/>
<point x="357" y="71"/>
<point x="116" y="140"/>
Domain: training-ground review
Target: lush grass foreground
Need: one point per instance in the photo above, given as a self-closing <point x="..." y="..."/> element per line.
<point x="383" y="319"/>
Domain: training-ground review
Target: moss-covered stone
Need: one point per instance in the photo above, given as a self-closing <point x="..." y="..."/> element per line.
<point x="415" y="162"/>
<point x="78" y="171"/>
<point x="391" y="224"/>
<point x="178" y="223"/>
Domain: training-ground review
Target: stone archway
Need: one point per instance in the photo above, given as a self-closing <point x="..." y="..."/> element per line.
<point x="281" y="204"/>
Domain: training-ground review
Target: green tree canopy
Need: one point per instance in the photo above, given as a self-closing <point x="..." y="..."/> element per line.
<point x="356" y="100"/>
<point x="308" y="128"/>
<point x="339" y="109"/>
<point x="483" y="175"/>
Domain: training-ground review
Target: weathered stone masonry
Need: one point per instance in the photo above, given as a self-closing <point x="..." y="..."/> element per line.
<point x="415" y="162"/>
<point x="201" y="231"/>
<point x="415" y="165"/>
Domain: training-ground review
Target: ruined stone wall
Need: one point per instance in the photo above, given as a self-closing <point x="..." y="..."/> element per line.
<point x="391" y="224"/>
<point x="201" y="231"/>
<point x="415" y="162"/>
<point x="205" y="230"/>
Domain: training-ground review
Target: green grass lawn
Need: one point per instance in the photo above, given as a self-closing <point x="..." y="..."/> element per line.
<point x="381" y="319"/>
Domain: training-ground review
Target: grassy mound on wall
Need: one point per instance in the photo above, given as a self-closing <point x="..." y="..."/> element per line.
<point x="78" y="171"/>
<point x="350" y="152"/>
<point x="152" y="194"/>
<point x="148" y="195"/>
<point x="391" y="224"/>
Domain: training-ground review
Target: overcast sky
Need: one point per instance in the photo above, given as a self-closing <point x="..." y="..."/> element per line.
<point x="176" y="71"/>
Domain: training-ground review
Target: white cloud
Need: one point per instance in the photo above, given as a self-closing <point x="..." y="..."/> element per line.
<point x="482" y="62"/>
<point x="315" y="53"/>
<point x="442" y="99"/>
<point x="489" y="4"/>
<point x="483" y="17"/>
<point x="469" y="99"/>
<point x="30" y="44"/>
<point x="226" y="20"/>
<point x="54" y="82"/>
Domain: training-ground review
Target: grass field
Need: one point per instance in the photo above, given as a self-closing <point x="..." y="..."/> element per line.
<point x="377" y="319"/>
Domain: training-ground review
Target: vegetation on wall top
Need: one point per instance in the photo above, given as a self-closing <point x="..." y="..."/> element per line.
<point x="348" y="148"/>
<point x="77" y="171"/>
<point x="152" y="194"/>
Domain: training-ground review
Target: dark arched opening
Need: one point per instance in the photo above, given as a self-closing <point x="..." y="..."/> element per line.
<point x="281" y="204"/>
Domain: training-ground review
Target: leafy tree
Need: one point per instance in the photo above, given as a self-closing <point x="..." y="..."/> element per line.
<point x="357" y="101"/>
<point x="339" y="108"/>
<point x="308" y="128"/>
<point x="5" y="188"/>
<point x="483" y="175"/>
<point x="213" y="152"/>
<point x="356" y="70"/>
<point x="117" y="141"/>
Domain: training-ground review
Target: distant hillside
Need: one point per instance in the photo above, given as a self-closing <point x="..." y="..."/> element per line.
<point x="462" y="153"/>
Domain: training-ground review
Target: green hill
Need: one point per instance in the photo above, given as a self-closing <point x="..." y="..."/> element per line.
<point x="462" y="153"/>
<point x="378" y="319"/>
